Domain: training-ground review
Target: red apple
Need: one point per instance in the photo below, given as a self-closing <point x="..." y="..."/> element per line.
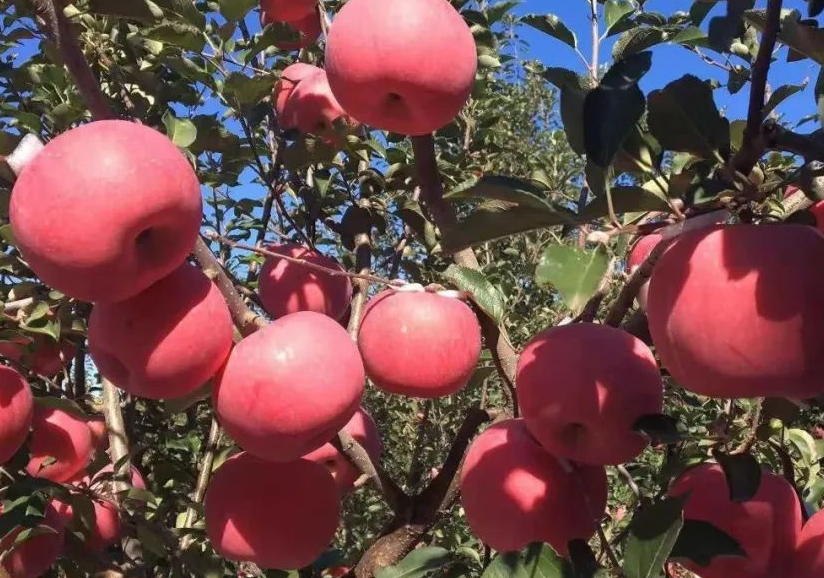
<point x="418" y="343"/>
<point x="107" y="527"/>
<point x="277" y="515"/>
<point x="582" y="388"/>
<point x="286" y="287"/>
<point x="514" y="492"/>
<point x="808" y="560"/>
<point x="766" y="527"/>
<point x="313" y="109"/>
<point x="361" y="427"/>
<point x="36" y="555"/>
<point x="736" y="311"/>
<point x="289" y="387"/>
<point x="39" y="353"/>
<point x="63" y="439"/>
<point x="307" y="29"/>
<point x="99" y="431"/>
<point x="406" y="67"/>
<point x="290" y="77"/>
<point x="16" y="412"/>
<point x="105" y="210"/>
<point x="286" y="10"/>
<point x="165" y="342"/>
<point x="106" y="474"/>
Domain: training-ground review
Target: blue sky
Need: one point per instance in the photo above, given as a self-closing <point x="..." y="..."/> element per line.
<point x="670" y="62"/>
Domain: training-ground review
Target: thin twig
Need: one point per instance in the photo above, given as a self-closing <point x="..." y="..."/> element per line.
<point x="623" y="302"/>
<point x="361" y="459"/>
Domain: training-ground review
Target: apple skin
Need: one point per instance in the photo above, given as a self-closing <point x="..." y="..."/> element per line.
<point x="33" y="557"/>
<point x="405" y="67"/>
<point x="364" y="429"/>
<point x="246" y="494"/>
<point x="107" y="527"/>
<point x="61" y="435"/>
<point x="103" y="227"/>
<point x="99" y="431"/>
<point x="286" y="10"/>
<point x="39" y="353"/>
<point x="16" y="412"/>
<point x="288" y="388"/>
<point x="166" y="342"/>
<point x="286" y="288"/>
<point x="640" y="251"/>
<point x="418" y="343"/>
<point x="808" y="560"/>
<point x="736" y="311"/>
<point x="582" y="388"/>
<point x="313" y="109"/>
<point x="514" y="492"/>
<point x="767" y="527"/>
<point x="291" y="76"/>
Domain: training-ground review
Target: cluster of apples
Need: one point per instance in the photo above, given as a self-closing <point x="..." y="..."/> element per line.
<point x="61" y="446"/>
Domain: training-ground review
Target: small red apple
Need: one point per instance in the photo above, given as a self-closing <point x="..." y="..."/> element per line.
<point x="99" y="431"/>
<point x="313" y="109"/>
<point x="39" y="353"/>
<point x="514" y="492"/>
<point x="290" y="386"/>
<point x="106" y="473"/>
<point x="406" y="67"/>
<point x="581" y="389"/>
<point x="286" y="10"/>
<point x="165" y="342"/>
<point x="418" y="343"/>
<point x="33" y="557"/>
<point x="104" y="226"/>
<point x="735" y="311"/>
<point x="16" y="412"/>
<point x="291" y="76"/>
<point x="286" y="288"/>
<point x="308" y="30"/>
<point x="60" y="444"/>
<point x="361" y="427"/>
<point x="247" y="494"/>
<point x="766" y="527"/>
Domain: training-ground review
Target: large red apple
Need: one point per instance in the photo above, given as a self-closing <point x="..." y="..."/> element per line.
<point x="313" y="109"/>
<point x="291" y="76"/>
<point x="277" y="515"/>
<point x="514" y="492"/>
<point x="34" y="556"/>
<point x="286" y="287"/>
<point x="808" y="559"/>
<point x="361" y="427"/>
<point x="16" y="412"/>
<point x="766" y="527"/>
<point x="582" y="388"/>
<point x="406" y="67"/>
<point x="105" y="210"/>
<point x="736" y="311"/>
<point x="165" y="342"/>
<point x="62" y="440"/>
<point x="418" y="343"/>
<point x="286" y="10"/>
<point x="39" y="353"/>
<point x="289" y="387"/>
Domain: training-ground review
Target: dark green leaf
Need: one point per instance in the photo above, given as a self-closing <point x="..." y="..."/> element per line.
<point x="131" y="9"/>
<point x="575" y="273"/>
<point x="552" y="25"/>
<point x="178" y="33"/>
<point x="803" y="36"/>
<point x="637" y="40"/>
<point x="483" y="293"/>
<point x="653" y="533"/>
<point x="701" y="542"/>
<point x="659" y="428"/>
<point x="628" y="199"/>
<point x="417" y="564"/>
<point x="181" y="131"/>
<point x="534" y="561"/>
<point x="781" y="94"/>
<point x="743" y="473"/>
<point x="247" y="89"/>
<point x="236" y="9"/>
<point x="615" y="11"/>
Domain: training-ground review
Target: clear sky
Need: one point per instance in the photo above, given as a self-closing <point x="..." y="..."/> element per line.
<point x="669" y="61"/>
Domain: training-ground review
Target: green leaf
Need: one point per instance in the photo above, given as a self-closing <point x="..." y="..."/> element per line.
<point x="574" y="89"/>
<point x="653" y="533"/>
<point x="701" y="542"/>
<point x="629" y="199"/>
<point x="417" y="564"/>
<point x="805" y="444"/>
<point x="781" y="94"/>
<point x="743" y="473"/>
<point x="574" y="272"/>
<point x="724" y="29"/>
<point x="130" y="9"/>
<point x="501" y="188"/>
<point x="802" y="36"/>
<point x="659" y="428"/>
<point x="683" y="117"/>
<point x="637" y="40"/>
<point x="483" y="293"/>
<point x="615" y="11"/>
<point x="534" y="561"/>
<point x="248" y="90"/>
<point x="177" y="33"/>
<point x="552" y="25"/>
<point x="181" y="131"/>
<point x="236" y="10"/>
<point x="612" y="110"/>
